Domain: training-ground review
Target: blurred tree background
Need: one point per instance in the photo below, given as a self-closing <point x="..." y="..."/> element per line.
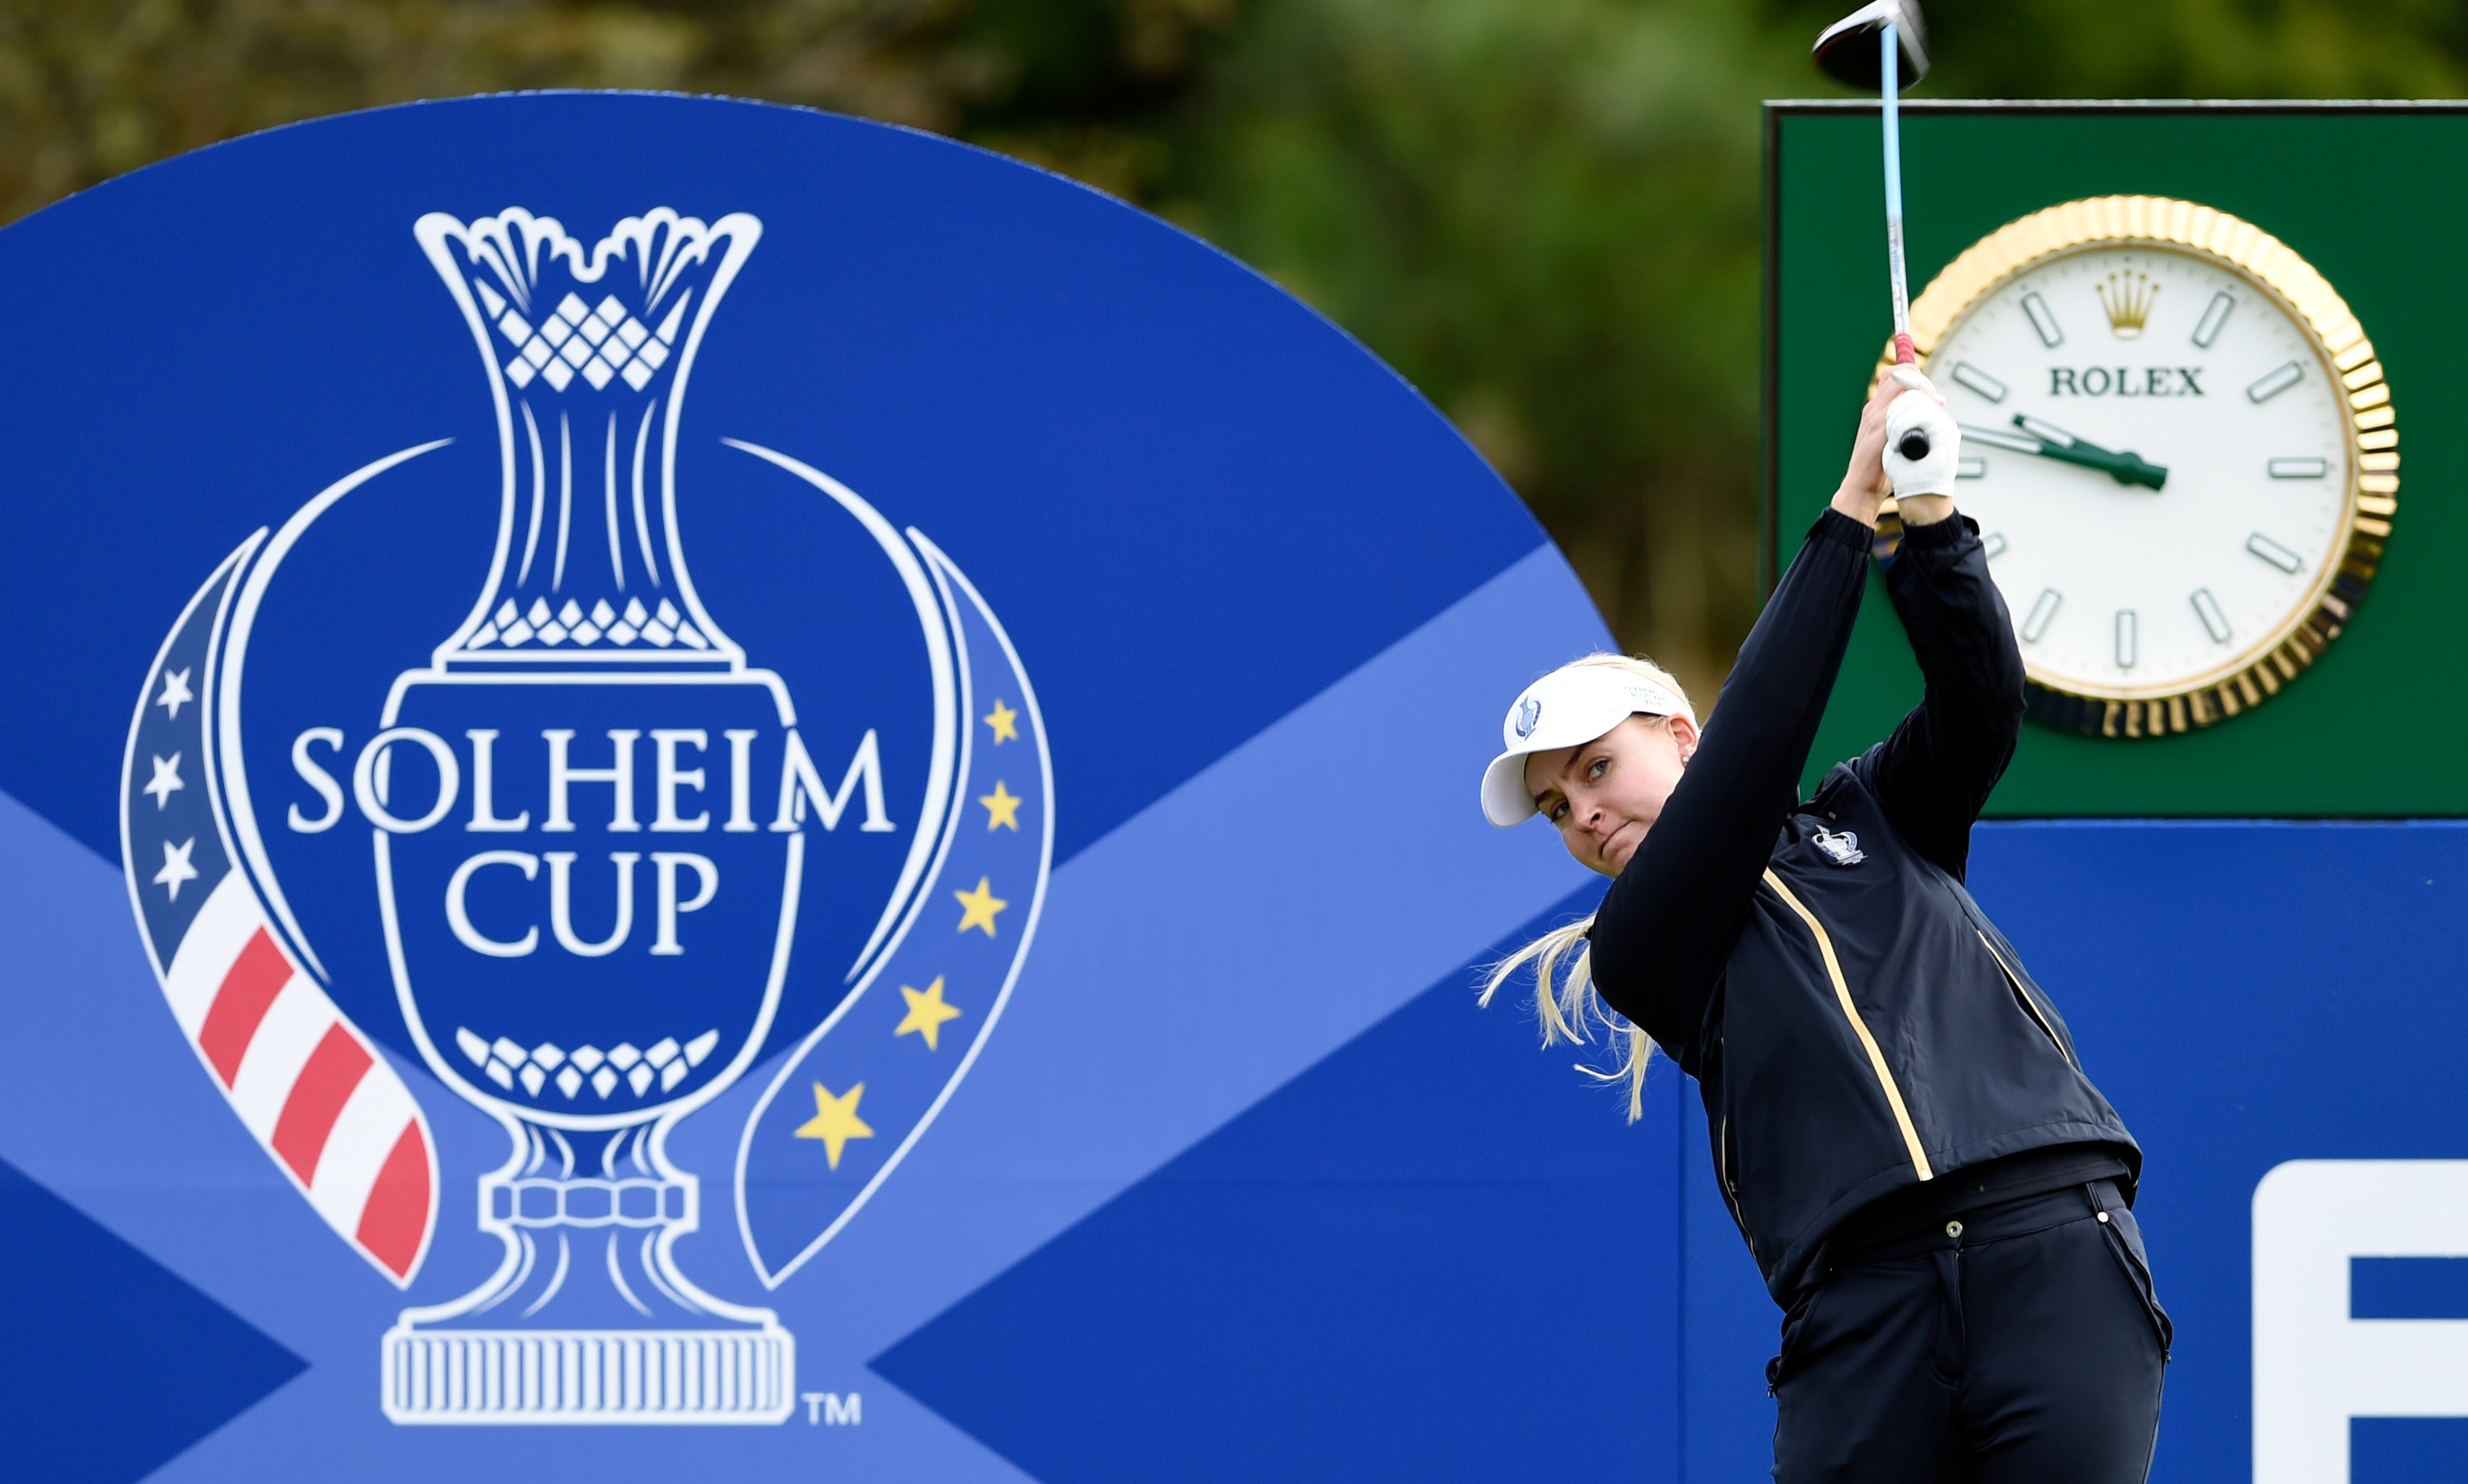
<point x="1543" y="212"/>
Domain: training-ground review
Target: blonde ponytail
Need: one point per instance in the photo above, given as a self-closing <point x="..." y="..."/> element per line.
<point x="1567" y="1003"/>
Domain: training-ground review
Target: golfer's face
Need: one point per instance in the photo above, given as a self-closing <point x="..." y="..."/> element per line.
<point x="1605" y="794"/>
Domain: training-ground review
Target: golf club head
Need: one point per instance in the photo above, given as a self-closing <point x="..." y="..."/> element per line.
<point x="1848" y="51"/>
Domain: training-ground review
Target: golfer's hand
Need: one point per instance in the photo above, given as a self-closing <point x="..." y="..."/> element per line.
<point x="1864" y="487"/>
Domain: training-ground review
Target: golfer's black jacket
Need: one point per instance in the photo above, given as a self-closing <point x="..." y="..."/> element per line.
<point x="1857" y="1024"/>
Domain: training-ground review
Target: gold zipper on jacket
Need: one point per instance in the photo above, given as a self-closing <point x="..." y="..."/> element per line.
<point x="1859" y="1027"/>
<point x="2029" y="1003"/>
<point x="1731" y="1188"/>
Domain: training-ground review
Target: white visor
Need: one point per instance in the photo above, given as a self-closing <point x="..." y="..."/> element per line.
<point x="1574" y="703"/>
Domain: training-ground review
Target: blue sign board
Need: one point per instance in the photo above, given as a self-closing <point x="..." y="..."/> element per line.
<point x="695" y="789"/>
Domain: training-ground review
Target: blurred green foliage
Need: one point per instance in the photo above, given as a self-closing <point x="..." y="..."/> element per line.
<point x="1543" y="212"/>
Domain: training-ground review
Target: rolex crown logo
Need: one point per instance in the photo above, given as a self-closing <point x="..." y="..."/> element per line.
<point x="2127" y="297"/>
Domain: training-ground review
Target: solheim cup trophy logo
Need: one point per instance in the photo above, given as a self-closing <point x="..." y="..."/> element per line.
<point x="588" y="1058"/>
<point x="590" y="821"/>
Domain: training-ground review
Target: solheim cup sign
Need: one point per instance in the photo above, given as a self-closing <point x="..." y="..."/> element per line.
<point x="585" y="831"/>
<point x="666" y="814"/>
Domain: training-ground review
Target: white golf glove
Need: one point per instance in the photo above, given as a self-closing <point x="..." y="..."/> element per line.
<point x="1922" y="445"/>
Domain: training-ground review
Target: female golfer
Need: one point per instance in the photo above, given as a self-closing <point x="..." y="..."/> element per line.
<point x="1935" y="1192"/>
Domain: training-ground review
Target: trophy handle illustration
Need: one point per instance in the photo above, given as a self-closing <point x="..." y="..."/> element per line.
<point x="308" y="1083"/>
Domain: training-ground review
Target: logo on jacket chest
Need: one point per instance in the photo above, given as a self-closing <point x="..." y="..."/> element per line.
<point x="1844" y="849"/>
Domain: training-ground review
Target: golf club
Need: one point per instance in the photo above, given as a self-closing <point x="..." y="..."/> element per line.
<point x="1884" y="45"/>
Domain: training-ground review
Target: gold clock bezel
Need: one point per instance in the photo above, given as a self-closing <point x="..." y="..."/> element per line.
<point x="2348" y="360"/>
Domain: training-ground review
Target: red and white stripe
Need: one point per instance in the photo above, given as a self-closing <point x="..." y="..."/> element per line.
<point x="321" y="1100"/>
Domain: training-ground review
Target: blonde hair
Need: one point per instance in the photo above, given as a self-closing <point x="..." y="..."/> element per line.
<point x="1566" y="1001"/>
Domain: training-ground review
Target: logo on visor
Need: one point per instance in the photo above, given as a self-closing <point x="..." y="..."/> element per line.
<point x="1529" y="711"/>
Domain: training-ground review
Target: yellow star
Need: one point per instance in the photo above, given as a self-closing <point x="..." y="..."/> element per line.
<point x="926" y="1013"/>
<point x="1002" y="807"/>
<point x="835" y="1121"/>
<point x="977" y="908"/>
<point x="1005" y="722"/>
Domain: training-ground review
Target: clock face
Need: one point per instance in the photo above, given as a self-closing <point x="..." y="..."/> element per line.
<point x="2167" y="461"/>
<point x="2118" y="588"/>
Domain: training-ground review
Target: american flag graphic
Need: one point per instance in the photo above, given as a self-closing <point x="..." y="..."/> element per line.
<point x="312" y="1089"/>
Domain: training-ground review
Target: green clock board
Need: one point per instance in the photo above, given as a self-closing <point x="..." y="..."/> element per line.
<point x="2357" y="712"/>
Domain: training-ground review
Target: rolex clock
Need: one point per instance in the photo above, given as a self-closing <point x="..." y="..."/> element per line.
<point x="2179" y="449"/>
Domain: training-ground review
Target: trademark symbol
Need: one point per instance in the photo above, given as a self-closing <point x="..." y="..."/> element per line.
<point x="830" y="1409"/>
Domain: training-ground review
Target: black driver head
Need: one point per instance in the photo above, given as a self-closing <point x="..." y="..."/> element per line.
<point x="1848" y="52"/>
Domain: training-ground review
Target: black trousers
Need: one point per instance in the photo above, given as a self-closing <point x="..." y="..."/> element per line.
<point x="2016" y="1344"/>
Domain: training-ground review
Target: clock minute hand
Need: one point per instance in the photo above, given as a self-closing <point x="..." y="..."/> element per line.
<point x="2126" y="469"/>
<point x="2123" y="469"/>
<point x="1999" y="438"/>
<point x="2055" y="442"/>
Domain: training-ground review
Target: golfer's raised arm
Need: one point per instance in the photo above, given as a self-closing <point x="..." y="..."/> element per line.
<point x="1935" y="773"/>
<point x="1665" y="928"/>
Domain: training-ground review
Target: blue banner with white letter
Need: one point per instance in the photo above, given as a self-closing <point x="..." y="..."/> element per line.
<point x="678" y="769"/>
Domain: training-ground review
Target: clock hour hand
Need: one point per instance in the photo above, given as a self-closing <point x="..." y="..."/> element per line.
<point x="2048" y="440"/>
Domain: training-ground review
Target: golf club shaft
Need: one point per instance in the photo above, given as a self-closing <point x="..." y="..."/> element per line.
<point x="1904" y="352"/>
